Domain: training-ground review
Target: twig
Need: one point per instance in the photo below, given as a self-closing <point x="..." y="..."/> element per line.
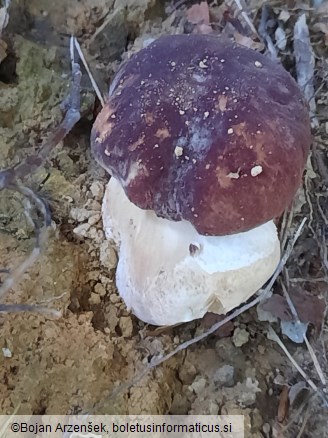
<point x="304" y="58"/>
<point x="273" y="336"/>
<point x="16" y="273"/>
<point x="31" y="308"/>
<point x="309" y="280"/>
<point x="5" y="17"/>
<point x="264" y="34"/>
<point x="262" y="295"/>
<point x="93" y="82"/>
<point x="309" y="347"/>
<point x="11" y="178"/>
<point x="298" y="413"/>
<point x="305" y="420"/>
<point x="315" y="361"/>
<point x="246" y="17"/>
<point x="285" y="226"/>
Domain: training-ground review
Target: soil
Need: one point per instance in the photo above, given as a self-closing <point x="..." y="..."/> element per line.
<point x="72" y="364"/>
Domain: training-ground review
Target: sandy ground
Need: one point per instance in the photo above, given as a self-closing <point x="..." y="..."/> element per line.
<point x="73" y="364"/>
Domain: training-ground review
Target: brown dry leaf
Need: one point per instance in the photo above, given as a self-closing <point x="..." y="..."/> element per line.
<point x="283" y="404"/>
<point x="248" y="42"/>
<point x="278" y="307"/>
<point x="200" y="16"/>
<point x="310" y="308"/>
<point x="210" y="319"/>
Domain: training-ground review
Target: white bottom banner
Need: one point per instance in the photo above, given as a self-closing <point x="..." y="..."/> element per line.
<point x="122" y="426"/>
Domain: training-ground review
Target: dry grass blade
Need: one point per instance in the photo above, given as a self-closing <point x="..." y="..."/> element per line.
<point x="308" y="345"/>
<point x="264" y="34"/>
<point x="274" y="337"/>
<point x="304" y="58"/>
<point x="41" y="235"/>
<point x="246" y="17"/>
<point x="31" y="308"/>
<point x="4" y="16"/>
<point x="86" y="66"/>
<point x="11" y="178"/>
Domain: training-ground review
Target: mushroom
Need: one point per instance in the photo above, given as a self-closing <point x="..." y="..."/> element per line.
<point x="206" y="142"/>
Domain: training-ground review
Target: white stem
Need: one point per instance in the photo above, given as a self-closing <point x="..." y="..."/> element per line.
<point x="168" y="273"/>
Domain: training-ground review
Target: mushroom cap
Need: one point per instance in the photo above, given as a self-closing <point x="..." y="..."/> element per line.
<point x="202" y="129"/>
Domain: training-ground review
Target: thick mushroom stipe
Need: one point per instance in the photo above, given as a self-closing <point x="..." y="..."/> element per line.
<point x="198" y="128"/>
<point x="168" y="273"/>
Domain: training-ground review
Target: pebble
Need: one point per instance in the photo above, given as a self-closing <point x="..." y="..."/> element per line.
<point x="114" y="299"/>
<point x="92" y="204"/>
<point x="225" y="375"/>
<point x="240" y="337"/>
<point x="6" y="352"/>
<point x="94" y="299"/>
<point x="108" y="256"/>
<point x="82" y="230"/>
<point x="81" y="214"/>
<point x="266" y="428"/>
<point x="100" y="290"/>
<point x="198" y="385"/>
<point x="126" y="326"/>
<point x="94" y="219"/>
<point x="97" y="190"/>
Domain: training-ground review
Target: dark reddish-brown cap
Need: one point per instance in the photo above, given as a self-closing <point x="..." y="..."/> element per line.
<point x="202" y="129"/>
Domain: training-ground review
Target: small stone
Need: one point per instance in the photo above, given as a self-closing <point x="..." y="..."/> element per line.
<point x="225" y="376"/>
<point x="6" y="352"/>
<point x="100" y="290"/>
<point x="108" y="256"/>
<point x="126" y="326"/>
<point x="114" y="299"/>
<point x="187" y="373"/>
<point x="94" y="205"/>
<point x="97" y="190"/>
<point x="266" y="428"/>
<point x="96" y="235"/>
<point x="82" y="230"/>
<point x="198" y="385"/>
<point x="94" y="299"/>
<point x="240" y="337"/>
<point x="93" y="275"/>
<point x="94" y="219"/>
<point x="80" y="214"/>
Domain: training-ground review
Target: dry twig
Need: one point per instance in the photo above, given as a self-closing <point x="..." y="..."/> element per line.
<point x="304" y="58"/>
<point x="273" y="336"/>
<point x="11" y="179"/>
<point x="246" y="17"/>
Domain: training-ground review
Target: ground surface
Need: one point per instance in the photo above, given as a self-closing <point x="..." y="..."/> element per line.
<point x="72" y="364"/>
